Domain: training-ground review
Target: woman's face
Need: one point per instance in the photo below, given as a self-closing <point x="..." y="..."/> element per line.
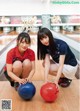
<point x="23" y="45"/>
<point x="45" y="40"/>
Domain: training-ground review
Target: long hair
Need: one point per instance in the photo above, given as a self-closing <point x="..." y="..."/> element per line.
<point x="41" y="49"/>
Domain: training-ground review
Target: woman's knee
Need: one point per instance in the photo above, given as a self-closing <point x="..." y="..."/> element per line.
<point x="27" y="63"/>
<point x="54" y="73"/>
<point x="17" y="65"/>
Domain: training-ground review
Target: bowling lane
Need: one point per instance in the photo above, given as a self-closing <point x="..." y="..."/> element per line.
<point x="5" y="40"/>
<point x="67" y="100"/>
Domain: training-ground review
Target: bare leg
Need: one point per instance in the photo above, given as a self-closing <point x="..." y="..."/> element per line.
<point x="17" y="68"/>
<point x="53" y="68"/>
<point x="27" y="66"/>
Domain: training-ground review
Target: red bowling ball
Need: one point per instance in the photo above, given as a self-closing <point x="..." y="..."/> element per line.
<point x="49" y="92"/>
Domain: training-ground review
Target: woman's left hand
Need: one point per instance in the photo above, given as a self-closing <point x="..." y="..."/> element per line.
<point x="28" y="79"/>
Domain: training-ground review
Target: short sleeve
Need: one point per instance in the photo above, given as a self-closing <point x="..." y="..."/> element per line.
<point x="9" y="58"/>
<point x="32" y="55"/>
<point x="63" y="49"/>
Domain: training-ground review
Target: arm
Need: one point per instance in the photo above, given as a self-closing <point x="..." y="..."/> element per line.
<point x="59" y="72"/>
<point x="13" y="76"/>
<point x="32" y="71"/>
<point x="46" y="67"/>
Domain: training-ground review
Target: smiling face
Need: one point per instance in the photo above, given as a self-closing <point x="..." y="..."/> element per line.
<point x="45" y="40"/>
<point x="23" y="45"/>
<point x="23" y="42"/>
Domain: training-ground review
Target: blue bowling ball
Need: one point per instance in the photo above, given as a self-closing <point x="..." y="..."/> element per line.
<point x="26" y="91"/>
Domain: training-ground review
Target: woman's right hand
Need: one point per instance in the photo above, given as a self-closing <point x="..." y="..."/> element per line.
<point x="22" y="81"/>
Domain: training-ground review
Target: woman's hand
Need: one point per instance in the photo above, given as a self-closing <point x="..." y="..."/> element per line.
<point x="22" y="81"/>
<point x="56" y="82"/>
<point x="28" y="79"/>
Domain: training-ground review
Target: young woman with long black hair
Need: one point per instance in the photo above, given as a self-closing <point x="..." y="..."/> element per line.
<point x="58" y="59"/>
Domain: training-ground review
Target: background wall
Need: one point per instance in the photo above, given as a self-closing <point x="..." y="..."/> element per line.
<point x="36" y="7"/>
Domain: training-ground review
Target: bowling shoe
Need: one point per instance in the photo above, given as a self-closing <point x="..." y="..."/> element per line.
<point x="64" y="82"/>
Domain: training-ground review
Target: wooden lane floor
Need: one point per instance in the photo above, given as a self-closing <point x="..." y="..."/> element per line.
<point x="68" y="98"/>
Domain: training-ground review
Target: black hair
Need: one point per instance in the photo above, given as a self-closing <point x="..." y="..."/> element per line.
<point x="41" y="49"/>
<point x="25" y="36"/>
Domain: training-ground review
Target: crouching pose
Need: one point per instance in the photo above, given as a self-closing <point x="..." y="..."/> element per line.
<point x="20" y="61"/>
<point x="58" y="59"/>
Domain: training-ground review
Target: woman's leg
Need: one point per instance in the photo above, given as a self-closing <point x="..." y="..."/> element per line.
<point x="27" y="66"/>
<point x="53" y="68"/>
<point x="17" y="68"/>
<point x="63" y="81"/>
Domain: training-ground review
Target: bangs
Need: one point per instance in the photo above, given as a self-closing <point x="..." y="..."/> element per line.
<point x="27" y="40"/>
<point x="41" y="36"/>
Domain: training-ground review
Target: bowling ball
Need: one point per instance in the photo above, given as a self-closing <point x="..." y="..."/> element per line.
<point x="26" y="91"/>
<point x="49" y="92"/>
